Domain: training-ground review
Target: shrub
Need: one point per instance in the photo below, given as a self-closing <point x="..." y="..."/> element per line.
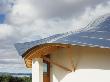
<point x="8" y="78"/>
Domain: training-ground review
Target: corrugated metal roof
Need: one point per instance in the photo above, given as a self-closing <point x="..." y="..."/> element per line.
<point x="97" y="34"/>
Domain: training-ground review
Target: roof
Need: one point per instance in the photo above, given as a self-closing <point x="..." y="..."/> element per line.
<point x="96" y="34"/>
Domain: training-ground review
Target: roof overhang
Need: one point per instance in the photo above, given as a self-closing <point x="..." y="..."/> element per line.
<point x="40" y="51"/>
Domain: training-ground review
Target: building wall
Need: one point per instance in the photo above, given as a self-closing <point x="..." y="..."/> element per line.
<point x="92" y="65"/>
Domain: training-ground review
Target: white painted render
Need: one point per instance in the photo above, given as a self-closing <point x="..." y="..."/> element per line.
<point x="37" y="70"/>
<point x="93" y="65"/>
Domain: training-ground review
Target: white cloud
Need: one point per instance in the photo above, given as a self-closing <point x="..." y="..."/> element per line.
<point x="23" y="12"/>
<point x="5" y="5"/>
<point x="5" y="31"/>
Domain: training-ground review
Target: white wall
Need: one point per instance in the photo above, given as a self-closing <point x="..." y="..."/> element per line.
<point x="93" y="65"/>
<point x="37" y="70"/>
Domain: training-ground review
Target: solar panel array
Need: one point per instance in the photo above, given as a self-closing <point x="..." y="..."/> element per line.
<point x="100" y="39"/>
<point x="97" y="35"/>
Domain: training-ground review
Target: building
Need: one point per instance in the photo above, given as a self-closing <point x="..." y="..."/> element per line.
<point x="81" y="56"/>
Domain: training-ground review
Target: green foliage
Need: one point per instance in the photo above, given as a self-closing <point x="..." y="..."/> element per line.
<point x="5" y="78"/>
<point x="8" y="78"/>
<point x="27" y="79"/>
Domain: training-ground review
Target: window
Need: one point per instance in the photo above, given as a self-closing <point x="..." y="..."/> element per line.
<point x="45" y="67"/>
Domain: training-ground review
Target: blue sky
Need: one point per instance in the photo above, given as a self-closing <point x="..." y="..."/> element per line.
<point x="2" y="18"/>
<point x="28" y="20"/>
